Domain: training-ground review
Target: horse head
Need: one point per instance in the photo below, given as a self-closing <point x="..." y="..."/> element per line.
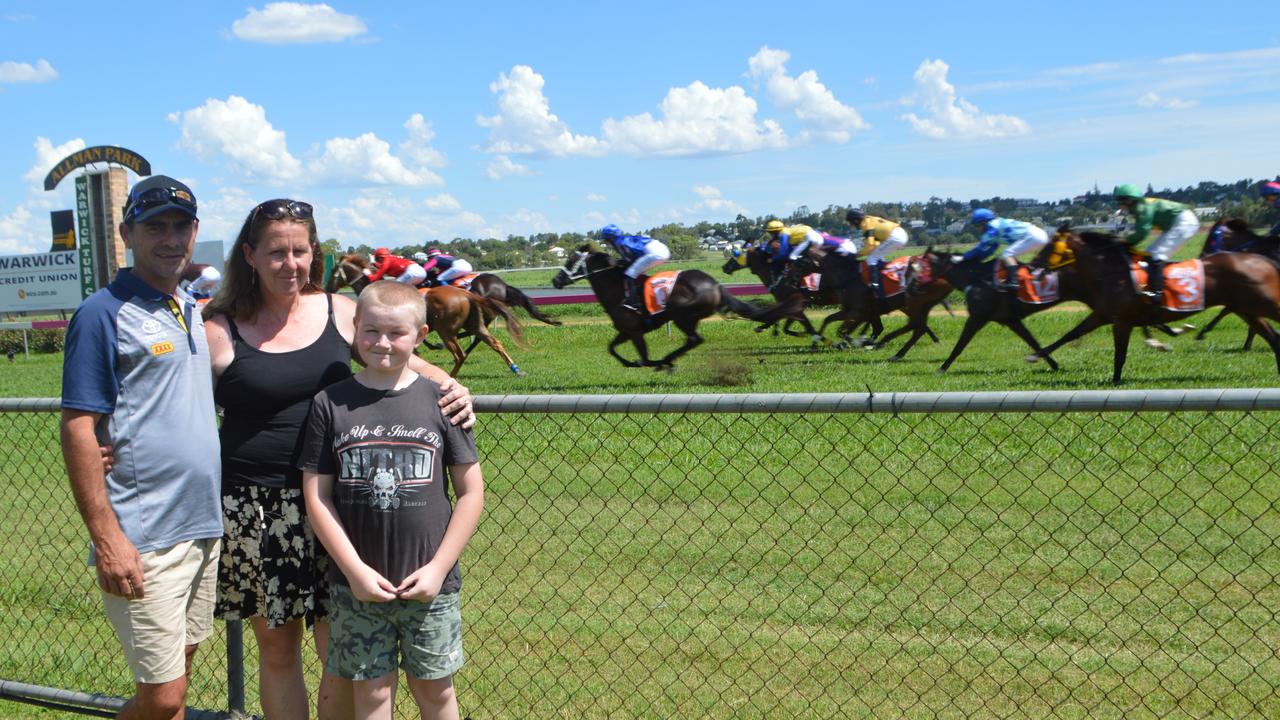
<point x="348" y="269"/>
<point x="575" y="267"/>
<point x="735" y="259"/>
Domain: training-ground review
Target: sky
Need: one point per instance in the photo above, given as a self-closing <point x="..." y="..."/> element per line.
<point x="417" y="122"/>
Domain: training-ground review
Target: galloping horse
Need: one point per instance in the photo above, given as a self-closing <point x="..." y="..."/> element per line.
<point x="753" y="258"/>
<point x="449" y="310"/>
<point x="1235" y="236"/>
<point x="353" y="267"/>
<point x="1246" y="284"/>
<point x="694" y="295"/>
<point x="984" y="302"/>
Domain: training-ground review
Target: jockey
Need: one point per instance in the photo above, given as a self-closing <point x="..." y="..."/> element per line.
<point x="446" y="267"/>
<point x="1023" y="237"/>
<point x="886" y="235"/>
<point x="395" y="268"/>
<point x="795" y="241"/>
<point x="1271" y="193"/>
<point x="1175" y="222"/>
<point x="202" y="280"/>
<point x="642" y="252"/>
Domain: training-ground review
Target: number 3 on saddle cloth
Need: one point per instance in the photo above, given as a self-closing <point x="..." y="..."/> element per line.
<point x="657" y="288"/>
<point x="1035" y="287"/>
<point x="1183" y="284"/>
<point x="891" y="274"/>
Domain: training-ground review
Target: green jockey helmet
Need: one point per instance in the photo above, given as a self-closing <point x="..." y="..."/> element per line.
<point x="1127" y="190"/>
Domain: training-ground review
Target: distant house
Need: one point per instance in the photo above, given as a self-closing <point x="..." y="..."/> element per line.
<point x="1208" y="212"/>
<point x="558" y="251"/>
<point x="956" y="227"/>
<point x="916" y="224"/>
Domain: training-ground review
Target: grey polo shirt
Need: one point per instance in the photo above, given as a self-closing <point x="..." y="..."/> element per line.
<point x="140" y="358"/>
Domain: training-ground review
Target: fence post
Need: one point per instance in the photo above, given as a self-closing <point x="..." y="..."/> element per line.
<point x="235" y="668"/>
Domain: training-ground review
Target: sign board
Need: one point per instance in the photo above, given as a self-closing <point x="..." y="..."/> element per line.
<point x="87" y="286"/>
<point x="97" y="154"/>
<point x="43" y="281"/>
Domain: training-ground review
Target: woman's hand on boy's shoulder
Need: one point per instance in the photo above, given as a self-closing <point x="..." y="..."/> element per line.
<point x="423" y="584"/>
<point x="455" y="401"/>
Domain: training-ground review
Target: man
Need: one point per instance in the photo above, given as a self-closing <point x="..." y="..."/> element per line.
<point x="1022" y="237"/>
<point x="394" y="267"/>
<point x="1175" y="222"/>
<point x="136" y="377"/>
<point x="447" y="267"/>
<point x="1271" y="193"/>
<point x="886" y="235"/>
<point x="641" y="252"/>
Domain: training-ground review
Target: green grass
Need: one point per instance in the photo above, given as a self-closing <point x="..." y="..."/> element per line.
<point x="1114" y="565"/>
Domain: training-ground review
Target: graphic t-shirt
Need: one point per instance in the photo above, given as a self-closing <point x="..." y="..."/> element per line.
<point x="387" y="451"/>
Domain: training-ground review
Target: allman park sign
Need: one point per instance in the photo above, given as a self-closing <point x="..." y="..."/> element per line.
<point x="97" y="154"/>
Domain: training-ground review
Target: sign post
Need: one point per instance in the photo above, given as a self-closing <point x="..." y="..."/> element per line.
<point x="86" y="244"/>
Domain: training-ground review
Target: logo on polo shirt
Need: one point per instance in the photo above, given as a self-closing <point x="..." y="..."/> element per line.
<point x="162" y="348"/>
<point x="151" y="326"/>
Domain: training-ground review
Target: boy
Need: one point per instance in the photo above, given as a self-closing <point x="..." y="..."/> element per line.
<point x="373" y="459"/>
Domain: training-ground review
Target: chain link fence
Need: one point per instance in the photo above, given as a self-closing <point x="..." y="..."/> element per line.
<point x="917" y="555"/>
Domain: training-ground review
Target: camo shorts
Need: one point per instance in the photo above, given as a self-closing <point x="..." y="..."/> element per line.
<point x="366" y="639"/>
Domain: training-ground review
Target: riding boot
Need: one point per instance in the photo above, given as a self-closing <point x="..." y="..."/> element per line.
<point x="1155" y="281"/>
<point x="630" y="296"/>
<point x="877" y="287"/>
<point x="1010" y="283"/>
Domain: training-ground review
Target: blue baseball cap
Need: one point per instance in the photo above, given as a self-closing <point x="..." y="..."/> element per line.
<point x="158" y="194"/>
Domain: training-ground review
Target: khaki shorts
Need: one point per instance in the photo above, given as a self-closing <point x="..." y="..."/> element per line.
<point x="176" y="610"/>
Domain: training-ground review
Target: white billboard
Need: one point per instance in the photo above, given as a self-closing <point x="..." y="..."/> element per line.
<point x="43" y="281"/>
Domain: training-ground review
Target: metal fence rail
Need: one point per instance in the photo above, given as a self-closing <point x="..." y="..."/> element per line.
<point x="1099" y="554"/>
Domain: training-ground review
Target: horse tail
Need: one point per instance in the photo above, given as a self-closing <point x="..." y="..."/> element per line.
<point x="516" y="297"/>
<point x="790" y="306"/>
<point x="497" y="307"/>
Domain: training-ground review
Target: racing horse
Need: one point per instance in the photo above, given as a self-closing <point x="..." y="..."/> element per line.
<point x="754" y="259"/>
<point x="1246" y="284"/>
<point x="984" y="302"/>
<point x="1235" y="236"/>
<point x="859" y="306"/>
<point x="695" y="295"/>
<point x="352" y="267"/>
<point x="450" y="312"/>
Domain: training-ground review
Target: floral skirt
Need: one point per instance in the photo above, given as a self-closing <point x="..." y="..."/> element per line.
<point x="272" y="566"/>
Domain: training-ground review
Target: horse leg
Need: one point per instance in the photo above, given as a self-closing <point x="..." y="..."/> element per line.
<point x="971" y="328"/>
<point x="613" y="350"/>
<point x="455" y="349"/>
<point x="1120" y="333"/>
<point x="494" y="343"/>
<point x="1214" y="323"/>
<point x="1154" y="343"/>
<point x="1092" y="322"/>
<point x="689" y="326"/>
<point x="918" y="333"/>
<point x="1261" y="327"/>
<point x="932" y="335"/>
<point x="1021" y="331"/>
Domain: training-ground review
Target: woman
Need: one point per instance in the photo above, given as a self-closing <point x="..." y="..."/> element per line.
<point x="275" y="339"/>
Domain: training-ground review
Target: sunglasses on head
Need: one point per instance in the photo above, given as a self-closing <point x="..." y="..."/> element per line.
<point x="277" y="209"/>
<point x="140" y="202"/>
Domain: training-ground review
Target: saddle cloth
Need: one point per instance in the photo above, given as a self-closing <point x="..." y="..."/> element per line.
<point x="464" y="281"/>
<point x="657" y="288"/>
<point x="891" y="274"/>
<point x="1183" y="284"/>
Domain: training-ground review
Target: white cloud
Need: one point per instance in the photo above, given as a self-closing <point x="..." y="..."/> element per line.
<point x="596" y="197"/>
<point x="1151" y="99"/>
<point x="290" y="22"/>
<point x="365" y="159"/>
<point x="502" y="166"/>
<point x="949" y="116"/>
<point x="443" y="201"/>
<point x="525" y="124"/>
<point x="239" y="131"/>
<point x="417" y="149"/>
<point x="696" y="120"/>
<point x="20" y="72"/>
<point x="825" y="118"/>
<point x="48" y="155"/>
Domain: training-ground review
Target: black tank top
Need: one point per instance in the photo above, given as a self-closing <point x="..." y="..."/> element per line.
<point x="265" y="397"/>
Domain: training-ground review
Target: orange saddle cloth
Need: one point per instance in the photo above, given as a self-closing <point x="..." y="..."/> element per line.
<point x="891" y="274"/>
<point x="464" y="281"/>
<point x="1183" y="284"/>
<point x="657" y="289"/>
